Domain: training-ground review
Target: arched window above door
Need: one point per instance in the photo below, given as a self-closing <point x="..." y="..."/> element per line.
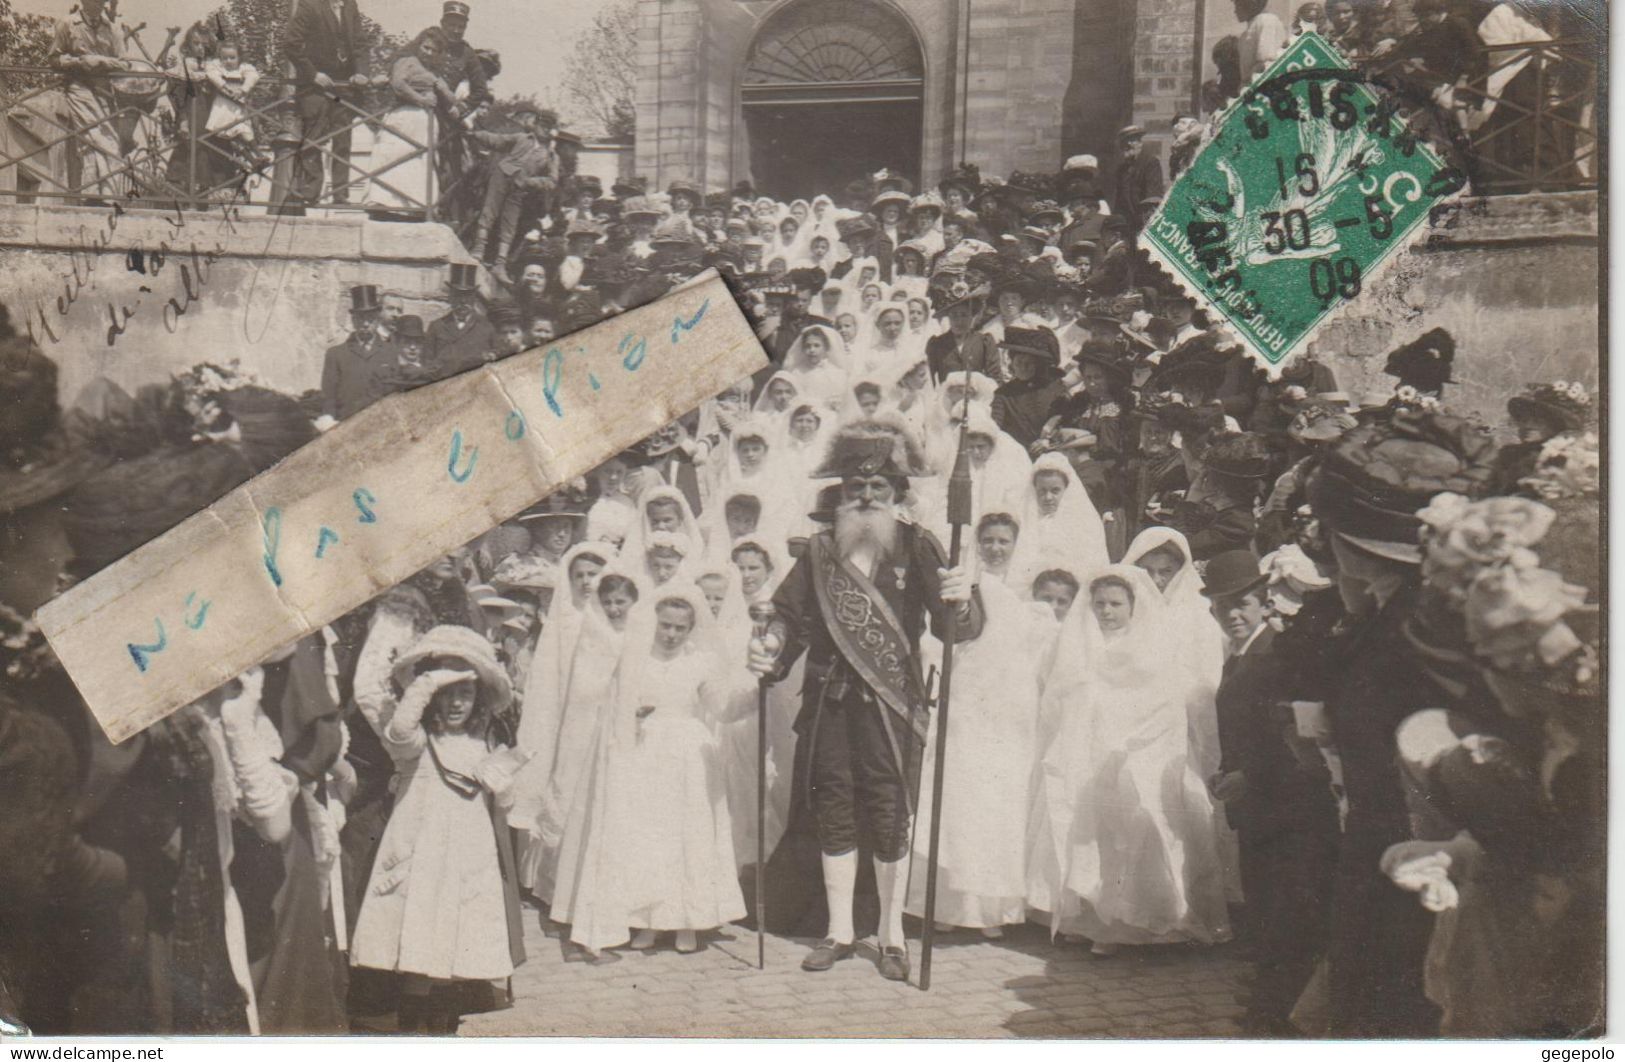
<point x="834" y="41"/>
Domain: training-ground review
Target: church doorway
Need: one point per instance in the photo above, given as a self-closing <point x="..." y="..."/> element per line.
<point x="832" y="91"/>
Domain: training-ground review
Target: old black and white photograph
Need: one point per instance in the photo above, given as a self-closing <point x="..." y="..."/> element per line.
<point x="1153" y="586"/>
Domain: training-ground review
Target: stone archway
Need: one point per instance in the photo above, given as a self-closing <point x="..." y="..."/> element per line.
<point x="832" y="90"/>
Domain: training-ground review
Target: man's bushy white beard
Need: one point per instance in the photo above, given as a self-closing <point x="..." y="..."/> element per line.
<point x="857" y="527"/>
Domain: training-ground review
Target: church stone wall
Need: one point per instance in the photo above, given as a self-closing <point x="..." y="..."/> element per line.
<point x="1020" y="67"/>
<point x="1164" y="67"/>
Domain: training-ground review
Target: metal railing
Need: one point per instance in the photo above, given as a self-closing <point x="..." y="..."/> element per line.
<point x="92" y="138"/>
<point x="1527" y="123"/>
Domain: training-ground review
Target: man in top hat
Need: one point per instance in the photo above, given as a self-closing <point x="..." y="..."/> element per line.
<point x="325" y="43"/>
<point x="461" y="339"/>
<point x="1139" y="176"/>
<point x="355" y="372"/>
<point x="857" y="602"/>
<point x="525" y="166"/>
<point x="1276" y="797"/>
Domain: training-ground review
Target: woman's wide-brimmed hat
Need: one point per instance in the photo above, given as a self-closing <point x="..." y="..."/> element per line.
<point x="1045" y="210"/>
<point x="1231" y="573"/>
<point x="1375" y="479"/>
<point x="1038" y="341"/>
<point x="462" y="645"/>
<point x="966" y="177"/>
<point x="688" y="188"/>
<point x="640" y="206"/>
<point x="1424" y="363"/>
<point x="880" y="446"/>
<point x="1107" y="355"/>
<point x="887" y="180"/>
<point x="926" y="201"/>
<point x="1246" y="455"/>
<point x="1321" y="422"/>
<point x="851" y="228"/>
<point x="1565" y="405"/>
<point x="891" y="195"/>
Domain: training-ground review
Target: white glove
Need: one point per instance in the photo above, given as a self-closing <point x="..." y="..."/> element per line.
<point x="763" y="655"/>
<point x="956" y="585"/>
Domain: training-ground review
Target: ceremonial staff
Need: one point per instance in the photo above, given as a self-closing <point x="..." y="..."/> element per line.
<point x="761" y="616"/>
<point x="959" y="514"/>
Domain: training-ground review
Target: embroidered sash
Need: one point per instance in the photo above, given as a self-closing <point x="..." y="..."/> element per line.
<point x="867" y="633"/>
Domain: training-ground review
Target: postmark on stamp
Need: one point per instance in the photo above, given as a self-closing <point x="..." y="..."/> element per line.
<point x="1312" y="183"/>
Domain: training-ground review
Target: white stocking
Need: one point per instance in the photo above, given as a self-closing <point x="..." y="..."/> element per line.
<point x="840" y="879"/>
<point x="891" y="881"/>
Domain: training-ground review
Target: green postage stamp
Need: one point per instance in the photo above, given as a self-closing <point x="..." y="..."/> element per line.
<point x="1311" y="184"/>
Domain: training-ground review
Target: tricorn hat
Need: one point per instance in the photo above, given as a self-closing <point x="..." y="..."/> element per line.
<point x="878" y="446"/>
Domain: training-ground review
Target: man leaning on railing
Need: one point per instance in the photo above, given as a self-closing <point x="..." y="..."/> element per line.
<point x="88" y="47"/>
<point x="324" y="43"/>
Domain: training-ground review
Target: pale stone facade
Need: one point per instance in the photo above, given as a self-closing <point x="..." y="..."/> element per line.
<point x="777" y="91"/>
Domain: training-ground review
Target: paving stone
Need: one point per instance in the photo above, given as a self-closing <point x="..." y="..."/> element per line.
<point x="1021" y="986"/>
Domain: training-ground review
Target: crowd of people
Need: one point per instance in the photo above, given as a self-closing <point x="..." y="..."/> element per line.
<point x="1472" y="73"/>
<point x="1236" y="657"/>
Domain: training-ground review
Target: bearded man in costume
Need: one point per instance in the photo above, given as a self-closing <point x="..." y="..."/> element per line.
<point x="857" y="602"/>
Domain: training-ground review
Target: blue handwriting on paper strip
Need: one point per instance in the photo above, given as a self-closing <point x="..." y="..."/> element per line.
<point x="195" y="620"/>
<point x="364" y="501"/>
<point x="456" y="453"/>
<point x="631" y="352"/>
<point x="271" y="538"/>
<point x="141" y="653"/>
<point x="679" y="326"/>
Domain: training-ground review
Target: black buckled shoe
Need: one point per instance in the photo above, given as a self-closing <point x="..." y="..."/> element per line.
<point x="894" y="964"/>
<point x="826" y="955"/>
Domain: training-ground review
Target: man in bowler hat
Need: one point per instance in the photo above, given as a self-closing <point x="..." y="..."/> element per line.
<point x="1276" y="796"/>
